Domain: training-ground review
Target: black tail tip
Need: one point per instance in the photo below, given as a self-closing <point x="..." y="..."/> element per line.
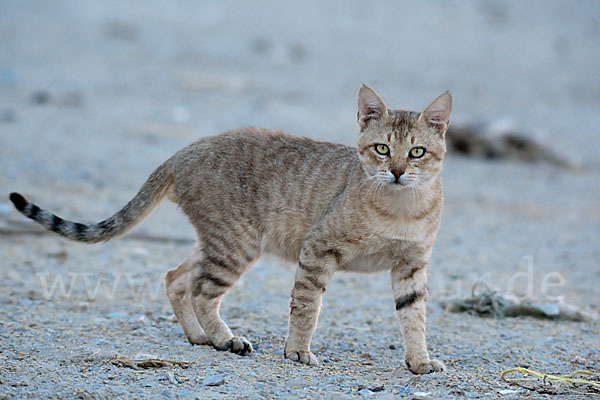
<point x="18" y="200"/>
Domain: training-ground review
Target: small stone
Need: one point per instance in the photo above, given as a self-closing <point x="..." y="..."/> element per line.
<point x="392" y="347"/>
<point x="422" y="396"/>
<point x="171" y="378"/>
<point x="213" y="380"/>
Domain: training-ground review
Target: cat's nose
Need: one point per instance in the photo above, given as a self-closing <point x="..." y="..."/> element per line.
<point x="397" y="173"/>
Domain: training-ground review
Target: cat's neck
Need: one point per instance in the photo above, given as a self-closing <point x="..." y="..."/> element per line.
<point x="404" y="202"/>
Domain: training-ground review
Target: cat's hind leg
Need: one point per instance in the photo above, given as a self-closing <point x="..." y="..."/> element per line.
<point x="178" y="283"/>
<point x="223" y="262"/>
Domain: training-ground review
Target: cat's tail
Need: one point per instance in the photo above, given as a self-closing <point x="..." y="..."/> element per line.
<point x="149" y="196"/>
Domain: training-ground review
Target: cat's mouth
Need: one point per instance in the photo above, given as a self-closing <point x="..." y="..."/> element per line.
<point x="398" y="181"/>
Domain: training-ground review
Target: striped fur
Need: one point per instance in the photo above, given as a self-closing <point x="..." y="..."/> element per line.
<point x="325" y="206"/>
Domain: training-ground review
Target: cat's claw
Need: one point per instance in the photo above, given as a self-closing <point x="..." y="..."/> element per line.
<point x="302" y="356"/>
<point x="426" y="367"/>
<point x="237" y="344"/>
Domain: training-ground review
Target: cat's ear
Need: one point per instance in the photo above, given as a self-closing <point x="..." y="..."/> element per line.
<point x="437" y="114"/>
<point x="370" y="107"/>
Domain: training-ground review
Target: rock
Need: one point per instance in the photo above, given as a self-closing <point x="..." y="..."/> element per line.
<point x="365" y="392"/>
<point x="213" y="380"/>
<point x="171" y="377"/>
<point x="392" y="347"/>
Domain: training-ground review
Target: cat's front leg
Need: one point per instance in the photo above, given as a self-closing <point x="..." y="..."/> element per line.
<point x="312" y="277"/>
<point x="409" y="286"/>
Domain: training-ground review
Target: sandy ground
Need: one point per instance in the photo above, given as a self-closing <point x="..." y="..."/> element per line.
<point x="94" y="95"/>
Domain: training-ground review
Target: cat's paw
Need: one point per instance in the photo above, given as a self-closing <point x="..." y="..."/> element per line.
<point x="426" y="367"/>
<point x="237" y="344"/>
<point x="302" y="356"/>
<point x="199" y="339"/>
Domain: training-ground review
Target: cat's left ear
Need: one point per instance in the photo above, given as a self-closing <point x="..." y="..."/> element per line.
<point x="437" y="114"/>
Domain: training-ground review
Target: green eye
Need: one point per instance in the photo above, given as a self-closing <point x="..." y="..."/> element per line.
<point x="382" y="149"/>
<point x="416" y="152"/>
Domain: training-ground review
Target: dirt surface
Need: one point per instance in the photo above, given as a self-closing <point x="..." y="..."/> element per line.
<point x="94" y="95"/>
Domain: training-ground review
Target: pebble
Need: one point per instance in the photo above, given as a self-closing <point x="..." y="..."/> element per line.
<point x="213" y="380"/>
<point x="508" y="391"/>
<point x="171" y="377"/>
<point x="422" y="396"/>
<point x="373" y="389"/>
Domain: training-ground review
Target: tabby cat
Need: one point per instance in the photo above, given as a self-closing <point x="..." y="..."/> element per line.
<point x="327" y="207"/>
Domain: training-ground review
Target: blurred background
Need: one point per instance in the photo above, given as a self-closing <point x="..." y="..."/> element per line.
<point x="96" y="94"/>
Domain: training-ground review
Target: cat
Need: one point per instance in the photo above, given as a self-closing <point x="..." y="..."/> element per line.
<point x="325" y="206"/>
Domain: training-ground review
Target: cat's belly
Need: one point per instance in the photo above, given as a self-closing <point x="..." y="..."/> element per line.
<point x="286" y="245"/>
<point x="370" y="263"/>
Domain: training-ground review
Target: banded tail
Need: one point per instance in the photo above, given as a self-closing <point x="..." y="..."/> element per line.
<point x="149" y="196"/>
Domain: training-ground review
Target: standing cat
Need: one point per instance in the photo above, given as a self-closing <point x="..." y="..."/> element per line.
<point x="326" y="206"/>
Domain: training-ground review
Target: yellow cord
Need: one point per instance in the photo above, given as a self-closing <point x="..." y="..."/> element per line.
<point x="565" y="378"/>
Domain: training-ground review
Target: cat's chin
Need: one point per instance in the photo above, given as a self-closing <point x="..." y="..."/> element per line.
<point x="397" y="185"/>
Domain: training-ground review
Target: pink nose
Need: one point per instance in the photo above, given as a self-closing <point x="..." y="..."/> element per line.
<point x="397" y="172"/>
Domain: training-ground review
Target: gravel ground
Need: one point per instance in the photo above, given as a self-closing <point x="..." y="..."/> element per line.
<point x="94" y="95"/>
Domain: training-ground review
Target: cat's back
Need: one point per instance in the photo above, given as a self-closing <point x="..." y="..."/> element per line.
<point x="262" y="169"/>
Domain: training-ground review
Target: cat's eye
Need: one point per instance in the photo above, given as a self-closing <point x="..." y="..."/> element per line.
<point x="416" y="152"/>
<point x="382" y="149"/>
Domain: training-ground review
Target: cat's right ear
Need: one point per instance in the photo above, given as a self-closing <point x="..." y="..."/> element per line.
<point x="370" y="107"/>
<point x="437" y="114"/>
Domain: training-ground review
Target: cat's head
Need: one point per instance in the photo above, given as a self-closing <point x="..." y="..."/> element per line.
<point x="401" y="149"/>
